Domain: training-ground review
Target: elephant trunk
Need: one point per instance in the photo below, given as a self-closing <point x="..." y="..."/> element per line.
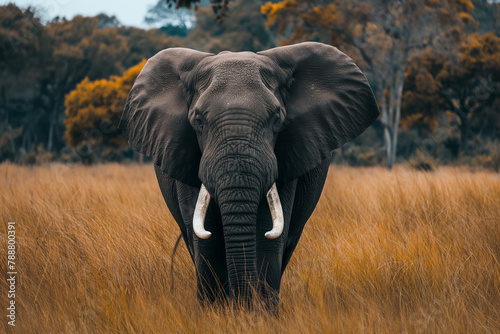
<point x="238" y="174"/>
<point x="238" y="205"/>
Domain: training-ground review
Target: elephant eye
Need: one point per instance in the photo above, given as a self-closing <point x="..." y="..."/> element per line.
<point x="198" y="121"/>
<point x="277" y="121"/>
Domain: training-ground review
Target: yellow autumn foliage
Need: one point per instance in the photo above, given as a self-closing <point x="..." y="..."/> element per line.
<point x="94" y="109"/>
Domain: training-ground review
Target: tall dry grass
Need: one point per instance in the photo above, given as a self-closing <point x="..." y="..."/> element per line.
<point x="395" y="252"/>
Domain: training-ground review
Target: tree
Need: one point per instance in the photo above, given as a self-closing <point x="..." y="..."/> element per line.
<point x="219" y="7"/>
<point x="421" y="101"/>
<point x="244" y="29"/>
<point x="94" y="109"/>
<point x="380" y="35"/>
<point x="471" y="83"/>
<point x="175" y="21"/>
<point x="487" y="15"/>
<point x="72" y="50"/>
<point x="79" y="48"/>
<point x="144" y="44"/>
<point x="20" y="35"/>
<point x="40" y="64"/>
<point x="464" y="82"/>
<point x="106" y="21"/>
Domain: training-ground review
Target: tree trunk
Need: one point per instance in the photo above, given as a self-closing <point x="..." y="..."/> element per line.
<point x="11" y="135"/>
<point x="397" y="117"/>
<point x="11" y="138"/>
<point x="51" y="132"/>
<point x="56" y="145"/>
<point x="388" y="147"/>
<point x="387" y="131"/>
<point x="464" y="127"/>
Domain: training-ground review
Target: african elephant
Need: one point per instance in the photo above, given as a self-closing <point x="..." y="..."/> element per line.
<point x="241" y="144"/>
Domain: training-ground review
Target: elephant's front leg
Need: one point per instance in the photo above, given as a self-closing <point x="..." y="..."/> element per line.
<point x="270" y="251"/>
<point x="212" y="280"/>
<point x="209" y="254"/>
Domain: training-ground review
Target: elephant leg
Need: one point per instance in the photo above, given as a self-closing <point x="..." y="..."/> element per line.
<point x="270" y="252"/>
<point x="169" y="191"/>
<point x="207" y="255"/>
<point x="308" y="192"/>
<point x="210" y="262"/>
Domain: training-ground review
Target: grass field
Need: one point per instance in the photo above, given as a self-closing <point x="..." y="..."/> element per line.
<point x="384" y="252"/>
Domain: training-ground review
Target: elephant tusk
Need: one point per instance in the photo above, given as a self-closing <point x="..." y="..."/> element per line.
<point x="273" y="199"/>
<point x="199" y="214"/>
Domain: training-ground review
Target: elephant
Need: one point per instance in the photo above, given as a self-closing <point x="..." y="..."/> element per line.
<point x="241" y="144"/>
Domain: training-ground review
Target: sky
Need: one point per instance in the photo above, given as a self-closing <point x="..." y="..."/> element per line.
<point x="128" y="12"/>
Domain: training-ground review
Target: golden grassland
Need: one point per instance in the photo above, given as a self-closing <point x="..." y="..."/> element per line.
<point x="395" y="252"/>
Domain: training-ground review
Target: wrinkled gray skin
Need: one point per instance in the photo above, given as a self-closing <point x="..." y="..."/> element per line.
<point x="238" y="122"/>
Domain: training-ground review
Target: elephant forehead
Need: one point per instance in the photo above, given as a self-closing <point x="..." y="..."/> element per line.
<point x="236" y="70"/>
<point x="234" y="81"/>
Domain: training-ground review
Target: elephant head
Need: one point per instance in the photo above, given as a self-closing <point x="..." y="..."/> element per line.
<point x="235" y="124"/>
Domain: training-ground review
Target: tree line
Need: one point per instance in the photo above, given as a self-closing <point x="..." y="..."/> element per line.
<point x="433" y="65"/>
<point x="424" y="59"/>
<point x="41" y="63"/>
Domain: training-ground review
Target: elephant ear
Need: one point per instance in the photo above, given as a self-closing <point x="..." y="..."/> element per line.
<point x="155" y="118"/>
<point x="328" y="102"/>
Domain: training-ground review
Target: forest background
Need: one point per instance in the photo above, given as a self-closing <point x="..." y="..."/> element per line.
<point x="434" y="67"/>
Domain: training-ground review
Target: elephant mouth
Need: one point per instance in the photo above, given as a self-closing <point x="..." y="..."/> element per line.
<point x="273" y="201"/>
